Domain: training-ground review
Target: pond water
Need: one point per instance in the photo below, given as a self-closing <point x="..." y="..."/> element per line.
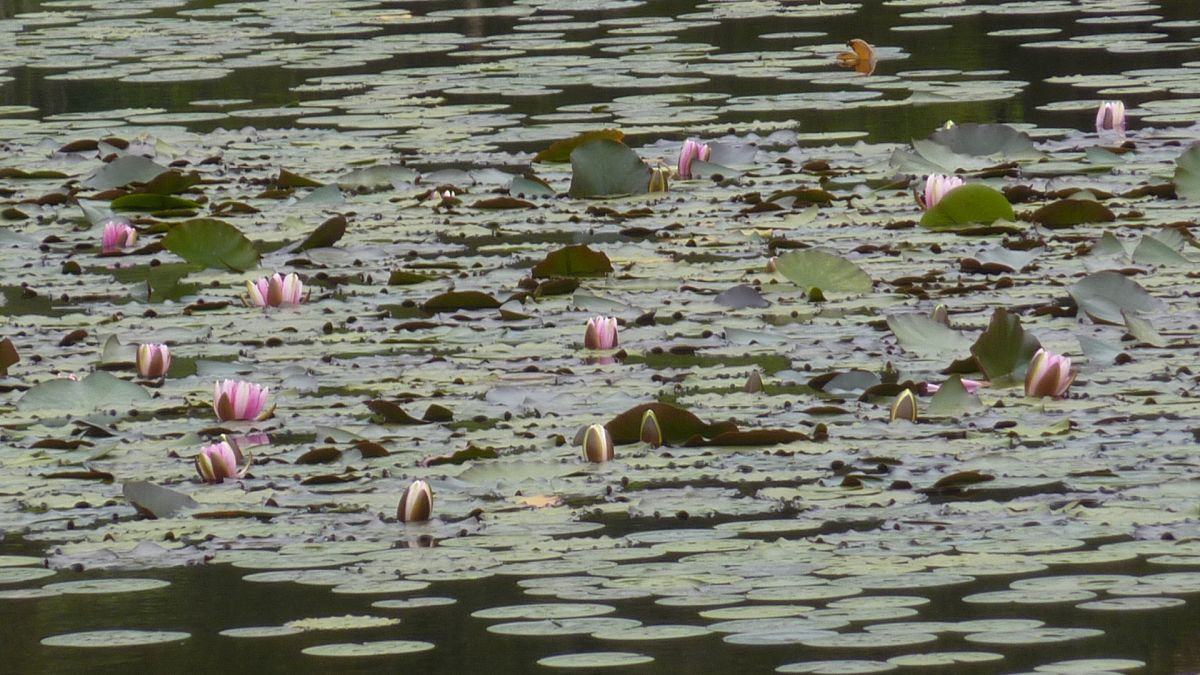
<point x="782" y="312"/>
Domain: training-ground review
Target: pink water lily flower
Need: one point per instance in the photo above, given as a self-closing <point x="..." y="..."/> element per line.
<point x="153" y="360"/>
<point x="1111" y="117"/>
<point x="240" y="400"/>
<point x="691" y="151"/>
<point x="971" y="386"/>
<point x="275" y="291"/>
<point x="601" y="333"/>
<point x="217" y="462"/>
<point x="1049" y="374"/>
<point x="936" y="187"/>
<point x="118" y="235"/>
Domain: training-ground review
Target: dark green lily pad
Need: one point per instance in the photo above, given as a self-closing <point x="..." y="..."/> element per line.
<point x="1071" y="212"/>
<point x="607" y="168"/>
<point x="211" y="243"/>
<point x="573" y="261"/>
<point x="967" y="205"/>
<point x="1004" y="349"/>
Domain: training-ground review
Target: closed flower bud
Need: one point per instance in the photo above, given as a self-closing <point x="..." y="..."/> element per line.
<point x="153" y="360"/>
<point x="416" y="503"/>
<point x="240" y="400"/>
<point x="1111" y="117"/>
<point x="690" y="152"/>
<point x="601" y="333"/>
<point x="941" y="315"/>
<point x="650" y="432"/>
<point x="217" y="462"/>
<point x="904" y="407"/>
<point x="658" y="179"/>
<point x="597" y="444"/>
<point x="1049" y="374"/>
<point x="754" y="383"/>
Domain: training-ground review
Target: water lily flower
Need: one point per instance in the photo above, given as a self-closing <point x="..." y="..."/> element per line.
<point x="275" y="291"/>
<point x="416" y="503"/>
<point x="1111" y="117"/>
<point x="937" y="186"/>
<point x="153" y="360"/>
<point x="601" y="333"/>
<point x="904" y="407"/>
<point x="1049" y="374"/>
<point x="971" y="386"/>
<point x="217" y="462"/>
<point x="240" y="400"/>
<point x="658" y="179"/>
<point x="597" y="444"/>
<point x="650" y="431"/>
<point x="118" y="235"/>
<point x="691" y="151"/>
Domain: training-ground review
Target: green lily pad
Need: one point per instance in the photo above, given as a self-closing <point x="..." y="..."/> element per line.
<point x="211" y="243"/>
<point x="1103" y="296"/>
<point x="1187" y="173"/>
<point x="677" y="424"/>
<point x="145" y="201"/>
<point x="1071" y="212"/>
<point x="573" y="261"/>
<point x="1004" y="349"/>
<point x="607" y="168"/>
<point x="967" y="205"/>
<point x="560" y="151"/>
<point x="99" y="390"/>
<point x="814" y="268"/>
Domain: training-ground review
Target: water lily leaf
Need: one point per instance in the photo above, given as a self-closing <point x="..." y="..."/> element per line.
<point x="1104" y="295"/>
<point x="376" y="177"/>
<point x="803" y="196"/>
<point x="959" y="480"/>
<point x="162" y="282"/>
<point x="1071" y="212"/>
<point x="997" y="259"/>
<point x="530" y="185"/>
<point x="560" y="151"/>
<point x="8" y="356"/>
<point x="215" y="244"/>
<point x="952" y="399"/>
<point x="501" y="203"/>
<point x="406" y="278"/>
<point x="469" y="454"/>
<point x="123" y="171"/>
<point x="327" y="233"/>
<point x="750" y="438"/>
<point x="1151" y="251"/>
<point x="455" y="300"/>
<point x="319" y="456"/>
<point x="97" y="390"/>
<point x="987" y="140"/>
<point x="607" y="168"/>
<point x="922" y="335"/>
<point x="741" y="296"/>
<point x="1004" y="349"/>
<point x="287" y="179"/>
<point x="392" y="413"/>
<point x="1142" y="330"/>
<point x="1187" y="173"/>
<point x="156" y="501"/>
<point x="815" y="268"/>
<point x="573" y="261"/>
<point x="144" y="201"/>
<point x="677" y="424"/>
<point x="171" y="182"/>
<point x="966" y="205"/>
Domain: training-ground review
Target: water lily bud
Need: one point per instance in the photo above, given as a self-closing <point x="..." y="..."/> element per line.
<point x="658" y="179"/>
<point x="971" y="386"/>
<point x="690" y="152"/>
<point x="904" y="407"/>
<point x="275" y="291"/>
<point x="941" y="315"/>
<point x="650" y="432"/>
<point x="153" y="360"/>
<point x="118" y="235"/>
<point x="416" y="503"/>
<point x="937" y="186"/>
<point x="597" y="444"/>
<point x="772" y="266"/>
<point x="240" y="400"/>
<point x="217" y="462"/>
<point x="601" y="333"/>
<point x="1111" y="117"/>
<point x="948" y="125"/>
<point x="1049" y="374"/>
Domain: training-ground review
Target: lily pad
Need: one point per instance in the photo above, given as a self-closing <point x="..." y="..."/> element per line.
<point x="211" y="243"/>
